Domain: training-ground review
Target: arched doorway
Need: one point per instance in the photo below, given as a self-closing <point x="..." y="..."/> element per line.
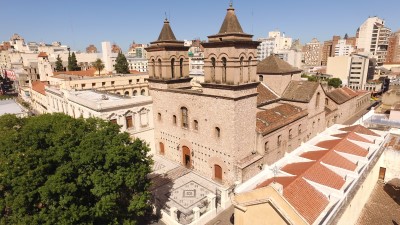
<point x="162" y="148"/>
<point x="186" y="160"/>
<point x="217" y="172"/>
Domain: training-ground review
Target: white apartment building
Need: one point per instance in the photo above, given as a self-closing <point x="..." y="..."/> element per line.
<point x="291" y="56"/>
<point x="138" y="64"/>
<point x="342" y="48"/>
<point x="372" y="37"/>
<point x="133" y="114"/>
<point x="355" y="71"/>
<point x="275" y="42"/>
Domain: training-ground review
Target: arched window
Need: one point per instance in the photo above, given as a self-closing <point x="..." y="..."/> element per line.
<point x="126" y="93"/>
<point x="159" y="67"/>
<point x="241" y="69"/>
<point x="261" y="78"/>
<point x="154" y="67"/>
<point x="185" y="120"/>
<point x="317" y="100"/>
<point x="217" y="132"/>
<point x="134" y="93"/>
<point x="266" y="146"/>
<point x="143" y="92"/>
<point x="223" y="69"/>
<point x="213" y="69"/>
<point x="181" y="67"/>
<point x="173" y="68"/>
<point x="290" y="134"/>
<point x="159" y="116"/>
<point x="218" y="172"/>
<point x="249" y="69"/>
<point x="279" y="140"/>
<point x="299" y="128"/>
<point x="195" y="125"/>
<point x="326" y="101"/>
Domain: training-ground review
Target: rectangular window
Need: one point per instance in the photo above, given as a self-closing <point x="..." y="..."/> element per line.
<point x="112" y="82"/>
<point x="103" y="84"/>
<point x="83" y="85"/>
<point x="130" y="81"/>
<point x="129" y="122"/>
<point x="93" y="84"/>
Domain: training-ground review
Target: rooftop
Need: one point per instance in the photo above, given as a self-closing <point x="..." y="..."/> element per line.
<point x="341" y="95"/>
<point x="301" y="91"/>
<point x="10" y="107"/>
<point x="276" y="66"/>
<point x="320" y="173"/>
<point x="269" y="120"/>
<point x="39" y="87"/>
<point x="265" y="94"/>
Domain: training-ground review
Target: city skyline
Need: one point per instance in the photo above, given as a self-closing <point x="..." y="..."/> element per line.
<point x="89" y="23"/>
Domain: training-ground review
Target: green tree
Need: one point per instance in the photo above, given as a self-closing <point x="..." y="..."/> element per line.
<point x="312" y="78"/>
<point x="59" y="65"/>
<point x="121" y="64"/>
<point x="98" y="65"/>
<point x="72" y="62"/>
<point x="335" y="82"/>
<point x="55" y="169"/>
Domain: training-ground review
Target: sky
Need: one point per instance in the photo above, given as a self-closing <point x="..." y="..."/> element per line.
<point x="80" y="23"/>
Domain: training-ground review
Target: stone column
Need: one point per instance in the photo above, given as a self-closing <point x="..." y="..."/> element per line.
<point x="174" y="213"/>
<point x="211" y="199"/>
<point x="225" y="200"/>
<point x="196" y="212"/>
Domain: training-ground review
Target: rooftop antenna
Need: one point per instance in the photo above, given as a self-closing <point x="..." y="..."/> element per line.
<point x="166" y="18"/>
<point x="230" y="3"/>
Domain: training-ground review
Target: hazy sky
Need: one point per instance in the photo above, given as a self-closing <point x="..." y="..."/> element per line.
<point x="80" y="23"/>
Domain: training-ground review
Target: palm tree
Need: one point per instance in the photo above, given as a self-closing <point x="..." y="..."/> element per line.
<point x="98" y="65"/>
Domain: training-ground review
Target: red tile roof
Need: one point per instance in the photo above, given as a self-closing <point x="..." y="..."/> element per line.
<point x="89" y="72"/>
<point x="284" y="181"/>
<point x="297" y="168"/>
<point x="331" y="158"/>
<point x="322" y="175"/>
<point x="272" y="119"/>
<point x="352" y="136"/>
<point x="305" y="199"/>
<point x="42" y="54"/>
<point x="359" y="129"/>
<point x="265" y="95"/>
<point x="343" y="146"/>
<point x="39" y="86"/>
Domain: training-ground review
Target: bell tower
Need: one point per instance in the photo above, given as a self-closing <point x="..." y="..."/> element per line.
<point x="230" y="55"/>
<point x="167" y="59"/>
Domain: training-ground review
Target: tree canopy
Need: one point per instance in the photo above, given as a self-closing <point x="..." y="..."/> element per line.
<point x="98" y="65"/>
<point x="72" y="62"/>
<point x="55" y="169"/>
<point x="59" y="65"/>
<point x="335" y="82"/>
<point x="121" y="64"/>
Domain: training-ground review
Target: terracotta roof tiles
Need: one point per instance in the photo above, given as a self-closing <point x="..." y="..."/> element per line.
<point x="305" y="199"/>
<point x="39" y="87"/>
<point x="352" y="136"/>
<point x="265" y="95"/>
<point x="344" y="146"/>
<point x="42" y="54"/>
<point x="359" y="129"/>
<point x="275" y="66"/>
<point x="166" y="33"/>
<point x="231" y="23"/>
<point x="322" y="175"/>
<point x="301" y="91"/>
<point x="281" y="115"/>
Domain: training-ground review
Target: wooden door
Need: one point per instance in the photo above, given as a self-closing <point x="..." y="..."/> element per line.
<point x="161" y="148"/>
<point x="187" y="161"/>
<point x="218" y="172"/>
<point x="382" y="172"/>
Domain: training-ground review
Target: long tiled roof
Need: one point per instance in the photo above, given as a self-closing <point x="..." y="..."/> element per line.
<point x="341" y="95"/>
<point x="39" y="87"/>
<point x="276" y="66"/>
<point x="279" y="116"/>
<point x="359" y="129"/>
<point x="301" y="91"/>
<point x="298" y="188"/>
<point x="265" y="95"/>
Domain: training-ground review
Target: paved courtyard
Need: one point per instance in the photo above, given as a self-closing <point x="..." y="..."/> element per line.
<point x="177" y="186"/>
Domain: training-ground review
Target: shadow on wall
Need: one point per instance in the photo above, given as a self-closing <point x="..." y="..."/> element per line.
<point x="392" y="188"/>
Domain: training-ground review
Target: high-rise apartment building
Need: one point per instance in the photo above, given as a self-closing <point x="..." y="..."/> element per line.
<point x="312" y="53"/>
<point x="276" y="41"/>
<point x="372" y="37"/>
